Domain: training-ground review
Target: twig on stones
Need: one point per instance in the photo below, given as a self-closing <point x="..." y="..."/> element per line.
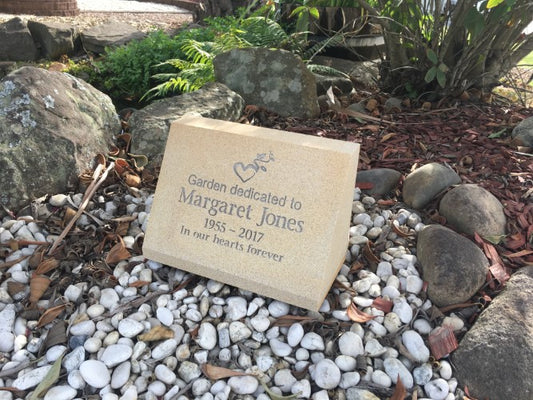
<point x="91" y="189"/>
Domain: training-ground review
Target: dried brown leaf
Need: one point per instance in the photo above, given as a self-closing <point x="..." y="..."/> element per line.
<point x="387" y="137"/>
<point x="57" y="334"/>
<point x="372" y="259"/>
<point x="215" y="373"/>
<point x="37" y="257"/>
<point x="400" y="231"/>
<point x="47" y="265"/>
<point x="288" y="320"/>
<point x="499" y="272"/>
<point x="50" y="314"/>
<point x="139" y="284"/>
<point x="14" y="288"/>
<point x="69" y="214"/>
<point x="132" y="179"/>
<point x="399" y="391"/>
<point x="357" y="315"/>
<point x="382" y="304"/>
<point x="157" y="333"/>
<point x="117" y="253"/>
<point x="442" y="341"/>
<point x="38" y="285"/>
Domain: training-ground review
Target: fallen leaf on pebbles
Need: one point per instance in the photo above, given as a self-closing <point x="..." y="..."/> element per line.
<point x="215" y="373"/>
<point x="157" y="333"/>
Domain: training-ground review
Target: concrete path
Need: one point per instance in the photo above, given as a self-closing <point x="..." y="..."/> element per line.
<point x="127" y="6"/>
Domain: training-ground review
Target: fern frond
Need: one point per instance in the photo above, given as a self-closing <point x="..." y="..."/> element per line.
<point x="326" y="71"/>
<point x="263" y="32"/>
<point x="319" y="47"/>
<point x="198" y="52"/>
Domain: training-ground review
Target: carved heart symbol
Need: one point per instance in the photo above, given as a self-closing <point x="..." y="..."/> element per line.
<point x="244" y="172"/>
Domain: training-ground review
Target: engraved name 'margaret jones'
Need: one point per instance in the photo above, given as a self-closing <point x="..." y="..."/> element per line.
<point x="248" y="237"/>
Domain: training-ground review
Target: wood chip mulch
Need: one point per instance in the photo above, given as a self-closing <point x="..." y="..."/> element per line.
<point x="474" y="139"/>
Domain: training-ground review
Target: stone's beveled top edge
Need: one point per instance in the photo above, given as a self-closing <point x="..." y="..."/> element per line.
<point x="267" y="133"/>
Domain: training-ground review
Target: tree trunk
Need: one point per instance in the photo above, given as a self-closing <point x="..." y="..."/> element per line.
<point x="217" y="8"/>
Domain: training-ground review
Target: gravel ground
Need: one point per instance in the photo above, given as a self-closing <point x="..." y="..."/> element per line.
<point x="144" y="16"/>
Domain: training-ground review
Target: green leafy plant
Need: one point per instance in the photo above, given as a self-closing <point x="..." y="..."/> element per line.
<point x="195" y="67"/>
<point x="445" y="48"/>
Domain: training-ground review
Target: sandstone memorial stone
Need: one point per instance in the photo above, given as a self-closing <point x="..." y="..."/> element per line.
<point x="261" y="209"/>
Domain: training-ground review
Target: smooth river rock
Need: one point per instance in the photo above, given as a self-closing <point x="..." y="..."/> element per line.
<point x="470" y="208"/>
<point x="453" y="266"/>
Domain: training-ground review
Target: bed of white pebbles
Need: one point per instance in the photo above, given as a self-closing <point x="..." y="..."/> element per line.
<point x="331" y="358"/>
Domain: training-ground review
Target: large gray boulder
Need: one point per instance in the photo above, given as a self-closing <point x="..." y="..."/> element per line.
<point x="469" y="208"/>
<point x="495" y="357"/>
<point x="453" y="266"/>
<point x="149" y="127"/>
<point x="426" y="182"/>
<point x="274" y="79"/>
<point x="55" y="38"/>
<point x="523" y="133"/>
<point x="112" y="34"/>
<point x="51" y="127"/>
<point x="16" y="42"/>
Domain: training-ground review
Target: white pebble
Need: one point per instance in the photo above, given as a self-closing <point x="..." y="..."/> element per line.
<point x="130" y="328"/>
<point x="31" y="378"/>
<point x="415" y="345"/>
<point x="351" y="344"/>
<point x="403" y="310"/>
<point x="92" y="345"/>
<point x="58" y="200"/>
<point x="120" y="375"/>
<point x="95" y="310"/>
<point x="207" y="336"/>
<point x="73" y="293"/>
<point x="445" y="370"/>
<point x="279" y="348"/>
<point x="109" y="298"/>
<point x="345" y="363"/>
<point x="374" y="349"/>
<point x="295" y="334"/>
<point x="260" y="323"/>
<point x="83" y="328"/>
<point x="165" y="374"/>
<point x="62" y="392"/>
<point x="236" y="308"/>
<point x="73" y="359"/>
<point x="165" y="316"/>
<point x="164" y="349"/>
<point x="380" y="378"/>
<point x="422" y="326"/>
<point x="302" y="389"/>
<point x="116" y="354"/>
<point x="453" y="322"/>
<point x="423" y="374"/>
<point x="95" y="373"/>
<point x="284" y="379"/>
<point x="75" y="380"/>
<point x="238" y="331"/>
<point x="394" y="368"/>
<point x="312" y="341"/>
<point x="278" y="309"/>
<point x="243" y="384"/>
<point x="414" y="284"/>
<point x="54" y="352"/>
<point x="437" y="389"/>
<point x="349" y="379"/>
<point x="326" y="374"/>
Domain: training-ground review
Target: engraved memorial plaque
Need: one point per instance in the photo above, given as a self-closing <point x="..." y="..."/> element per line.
<point x="261" y="209"/>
